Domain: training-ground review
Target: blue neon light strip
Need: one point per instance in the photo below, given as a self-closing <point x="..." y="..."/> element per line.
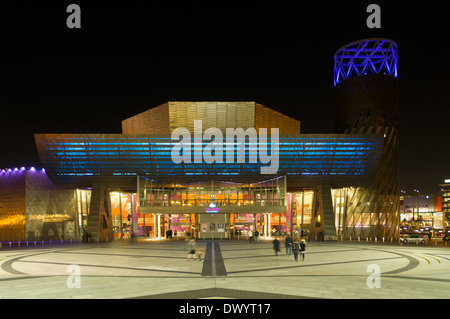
<point x="124" y="155"/>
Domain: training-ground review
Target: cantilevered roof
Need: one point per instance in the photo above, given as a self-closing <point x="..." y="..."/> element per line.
<point x="75" y="160"/>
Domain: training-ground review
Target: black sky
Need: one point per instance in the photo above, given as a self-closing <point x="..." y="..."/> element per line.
<point x="130" y="57"/>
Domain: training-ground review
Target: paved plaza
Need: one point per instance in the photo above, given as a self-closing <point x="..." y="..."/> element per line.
<point x="231" y="269"/>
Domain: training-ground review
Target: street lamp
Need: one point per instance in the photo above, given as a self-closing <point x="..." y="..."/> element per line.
<point x="417" y="192"/>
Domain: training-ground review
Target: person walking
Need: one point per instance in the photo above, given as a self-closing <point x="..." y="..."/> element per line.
<point x="85" y="235"/>
<point x="256" y="236"/>
<point x="250" y="235"/>
<point x="192" y="248"/>
<point x="276" y="246"/>
<point x="288" y="244"/>
<point x="296" y="250"/>
<point x="303" y="248"/>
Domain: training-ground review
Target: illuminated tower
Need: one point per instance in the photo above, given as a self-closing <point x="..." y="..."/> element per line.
<point x="366" y="102"/>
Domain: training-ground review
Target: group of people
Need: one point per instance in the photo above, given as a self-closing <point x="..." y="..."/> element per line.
<point x="296" y="248"/>
<point x="193" y="251"/>
<point x="170" y="233"/>
<point x="292" y="247"/>
<point x="253" y="236"/>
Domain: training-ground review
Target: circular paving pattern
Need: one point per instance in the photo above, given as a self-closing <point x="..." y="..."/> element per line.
<point x="229" y="269"/>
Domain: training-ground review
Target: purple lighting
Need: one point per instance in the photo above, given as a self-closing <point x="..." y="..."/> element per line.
<point x="369" y="56"/>
<point x="21" y="169"/>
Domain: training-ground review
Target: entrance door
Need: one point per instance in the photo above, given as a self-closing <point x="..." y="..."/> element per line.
<point x="243" y="223"/>
<point x="213" y="226"/>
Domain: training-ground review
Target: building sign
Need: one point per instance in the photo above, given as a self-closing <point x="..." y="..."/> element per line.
<point x="212" y="208"/>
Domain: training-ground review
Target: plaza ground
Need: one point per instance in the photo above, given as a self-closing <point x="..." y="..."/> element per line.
<point x="231" y="269"/>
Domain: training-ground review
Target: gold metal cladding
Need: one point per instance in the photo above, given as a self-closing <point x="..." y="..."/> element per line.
<point x="165" y="118"/>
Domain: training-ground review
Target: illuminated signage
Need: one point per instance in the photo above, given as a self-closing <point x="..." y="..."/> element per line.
<point x="211" y="208"/>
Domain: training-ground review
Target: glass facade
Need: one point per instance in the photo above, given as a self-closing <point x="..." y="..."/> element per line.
<point x="214" y="208"/>
<point x="264" y="193"/>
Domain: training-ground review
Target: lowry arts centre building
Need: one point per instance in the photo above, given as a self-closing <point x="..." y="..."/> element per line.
<point x="148" y="180"/>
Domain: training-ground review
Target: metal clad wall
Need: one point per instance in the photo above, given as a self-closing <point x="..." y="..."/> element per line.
<point x="12" y="204"/>
<point x="50" y="212"/>
<point x="165" y="118"/>
<point x="212" y="114"/>
<point x="153" y="121"/>
<point x="32" y="208"/>
<point x="268" y="118"/>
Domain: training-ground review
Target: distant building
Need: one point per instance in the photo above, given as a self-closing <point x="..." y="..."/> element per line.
<point x="424" y="211"/>
<point x="445" y="193"/>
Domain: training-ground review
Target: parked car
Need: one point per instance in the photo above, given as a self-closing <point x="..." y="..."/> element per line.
<point x="414" y="238"/>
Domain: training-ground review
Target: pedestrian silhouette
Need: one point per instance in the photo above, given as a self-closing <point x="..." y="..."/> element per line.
<point x="276" y="246"/>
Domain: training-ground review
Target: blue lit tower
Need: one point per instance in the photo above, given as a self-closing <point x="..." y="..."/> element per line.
<point x="366" y="102"/>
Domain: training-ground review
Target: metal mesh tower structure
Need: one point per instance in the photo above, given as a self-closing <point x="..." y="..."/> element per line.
<point x="366" y="102"/>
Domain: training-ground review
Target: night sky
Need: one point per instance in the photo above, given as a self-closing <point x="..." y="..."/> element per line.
<point x="128" y="58"/>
